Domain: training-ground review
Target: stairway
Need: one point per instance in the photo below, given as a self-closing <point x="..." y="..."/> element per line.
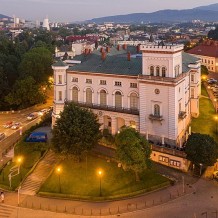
<point x="7" y="211"/>
<point x="33" y="182"/>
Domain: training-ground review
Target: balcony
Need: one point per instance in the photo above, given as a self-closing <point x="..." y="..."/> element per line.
<point x="109" y="108"/>
<point x="153" y="117"/>
<point x="182" y="115"/>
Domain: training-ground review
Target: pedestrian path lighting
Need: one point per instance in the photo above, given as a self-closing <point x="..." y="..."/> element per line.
<point x="20" y="161"/>
<point x="58" y="170"/>
<point x="216" y="120"/>
<point x="100" y="174"/>
<point x="215" y="100"/>
<point x="200" y="168"/>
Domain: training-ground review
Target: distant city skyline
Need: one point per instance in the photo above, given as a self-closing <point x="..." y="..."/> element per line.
<point x="80" y="10"/>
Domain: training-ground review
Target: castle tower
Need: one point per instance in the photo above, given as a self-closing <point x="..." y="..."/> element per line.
<point x="165" y="108"/>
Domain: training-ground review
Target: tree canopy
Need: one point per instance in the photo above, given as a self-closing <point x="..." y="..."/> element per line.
<point x="133" y="151"/>
<point x="213" y="34"/>
<point x="76" y="131"/>
<point x="201" y="149"/>
<point x="204" y="70"/>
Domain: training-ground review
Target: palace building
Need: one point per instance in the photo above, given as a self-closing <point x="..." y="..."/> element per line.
<point x="152" y="88"/>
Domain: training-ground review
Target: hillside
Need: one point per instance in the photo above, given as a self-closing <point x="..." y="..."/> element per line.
<point x="213" y="7"/>
<point x="3" y="16"/>
<point x="167" y="16"/>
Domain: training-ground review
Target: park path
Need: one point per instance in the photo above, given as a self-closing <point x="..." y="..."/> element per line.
<point x="34" y="181"/>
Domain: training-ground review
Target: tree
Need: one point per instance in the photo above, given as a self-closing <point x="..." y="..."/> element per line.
<point x="133" y="151"/>
<point x="201" y="149"/>
<point x="213" y="34"/>
<point x="75" y="132"/>
<point x="204" y="70"/>
<point x="37" y="63"/>
<point x="25" y="93"/>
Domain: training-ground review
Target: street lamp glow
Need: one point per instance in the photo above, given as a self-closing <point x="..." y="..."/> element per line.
<point x="100" y="173"/>
<point x="58" y="170"/>
<point x="19" y="160"/>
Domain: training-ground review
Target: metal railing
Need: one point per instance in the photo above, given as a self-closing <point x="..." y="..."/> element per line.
<point x="134" y="111"/>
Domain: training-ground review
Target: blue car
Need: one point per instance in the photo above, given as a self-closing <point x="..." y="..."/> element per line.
<point x="37" y="137"/>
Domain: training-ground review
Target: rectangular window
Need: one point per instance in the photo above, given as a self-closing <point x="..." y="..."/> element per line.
<point x="103" y="82"/>
<point x="59" y="79"/>
<point x="192" y="93"/>
<point x="211" y="62"/>
<point x="60" y="96"/>
<point x="89" y="81"/>
<point x="163" y="159"/>
<point x="192" y="78"/>
<point x="74" y="79"/>
<point x="175" y="163"/>
<point x="118" y="83"/>
<point x="133" y="85"/>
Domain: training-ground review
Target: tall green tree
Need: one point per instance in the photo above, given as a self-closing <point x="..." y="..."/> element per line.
<point x="133" y="151"/>
<point x="204" y="70"/>
<point x="26" y="92"/>
<point x="37" y="63"/>
<point x="76" y="131"/>
<point x="201" y="149"/>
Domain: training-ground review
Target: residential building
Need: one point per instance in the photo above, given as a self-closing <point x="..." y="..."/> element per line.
<point x="208" y="53"/>
<point x="157" y="93"/>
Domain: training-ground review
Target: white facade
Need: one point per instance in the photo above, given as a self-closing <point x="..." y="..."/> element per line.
<point x="159" y="102"/>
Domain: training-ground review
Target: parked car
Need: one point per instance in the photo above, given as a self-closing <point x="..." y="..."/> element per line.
<point x="37" y="137"/>
<point x="32" y="116"/>
<point x="211" y="81"/>
<point x="16" y="126"/>
<point x="43" y="111"/>
<point x="2" y="136"/>
<point x="8" y="124"/>
<point x="215" y="174"/>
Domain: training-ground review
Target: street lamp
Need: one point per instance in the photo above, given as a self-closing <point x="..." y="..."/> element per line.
<point x="58" y="170"/>
<point x="216" y="119"/>
<point x="200" y="168"/>
<point x="19" y="161"/>
<point x="100" y="173"/>
<point x="215" y="100"/>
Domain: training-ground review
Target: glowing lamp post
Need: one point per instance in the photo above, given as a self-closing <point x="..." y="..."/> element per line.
<point x="100" y="173"/>
<point x="19" y="161"/>
<point x="216" y="119"/>
<point x="58" y="170"/>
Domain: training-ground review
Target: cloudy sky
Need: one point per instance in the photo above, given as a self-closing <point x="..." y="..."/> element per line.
<point x="79" y="10"/>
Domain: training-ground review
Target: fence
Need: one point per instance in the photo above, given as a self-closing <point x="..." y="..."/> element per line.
<point x="96" y="210"/>
<point x="9" y="142"/>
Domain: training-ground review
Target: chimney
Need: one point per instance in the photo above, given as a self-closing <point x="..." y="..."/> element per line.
<point x="90" y="51"/>
<point x="138" y="49"/>
<point x="101" y="49"/>
<point x="86" y="51"/>
<point x="118" y="47"/>
<point x="124" y="46"/>
<point x="128" y="56"/>
<point x="108" y="49"/>
<point x="103" y="55"/>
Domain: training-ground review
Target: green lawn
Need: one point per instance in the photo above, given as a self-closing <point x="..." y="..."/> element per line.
<point x="205" y="123"/>
<point x="115" y="181"/>
<point x="30" y="153"/>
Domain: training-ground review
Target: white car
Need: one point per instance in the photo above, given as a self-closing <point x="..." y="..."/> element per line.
<point x="16" y="126"/>
<point x="32" y="116"/>
<point x="43" y="111"/>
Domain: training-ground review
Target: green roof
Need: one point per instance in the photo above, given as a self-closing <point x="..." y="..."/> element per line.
<point x="116" y="62"/>
<point x="186" y="60"/>
<point x="59" y="63"/>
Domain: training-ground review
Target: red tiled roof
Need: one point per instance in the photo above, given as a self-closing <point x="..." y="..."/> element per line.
<point x="205" y="50"/>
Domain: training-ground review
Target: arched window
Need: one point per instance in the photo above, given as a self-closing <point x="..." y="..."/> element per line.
<point x="133" y="101"/>
<point x="103" y="97"/>
<point x="118" y="99"/>
<point x="164" y="71"/>
<point x="88" y="96"/>
<point x="152" y="70"/>
<point x="75" y="92"/>
<point x="156" y="110"/>
<point x="157" y="71"/>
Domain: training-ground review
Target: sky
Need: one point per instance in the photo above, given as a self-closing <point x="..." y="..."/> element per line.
<point x="80" y="10"/>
